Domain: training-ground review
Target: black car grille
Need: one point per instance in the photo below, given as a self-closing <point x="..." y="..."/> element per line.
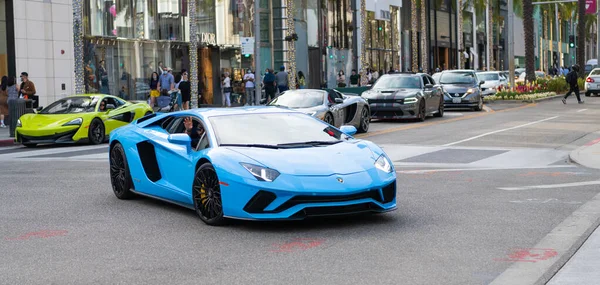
<point x="262" y="199"/>
<point x="386" y="101"/>
<point x="336" y="210"/>
<point x="456" y="94"/>
<point x="60" y="137"/>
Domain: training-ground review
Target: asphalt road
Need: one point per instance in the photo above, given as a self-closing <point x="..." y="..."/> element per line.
<point x="465" y="208"/>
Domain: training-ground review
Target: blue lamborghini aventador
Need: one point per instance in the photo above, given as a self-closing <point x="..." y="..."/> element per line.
<point x="260" y="163"/>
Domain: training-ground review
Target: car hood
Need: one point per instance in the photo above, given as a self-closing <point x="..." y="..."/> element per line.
<point x="490" y="84"/>
<point x="457" y="88"/>
<point x="341" y="158"/>
<point x="41" y="121"/>
<point x="310" y="110"/>
<point x="389" y="93"/>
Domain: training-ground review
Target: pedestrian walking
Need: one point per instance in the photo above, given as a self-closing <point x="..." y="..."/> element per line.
<point x="269" y="81"/>
<point x="301" y="82"/>
<point x="341" y="79"/>
<point x="103" y="74"/>
<point x="27" y="89"/>
<point x="573" y="86"/>
<point x="3" y="100"/>
<point x="154" y="92"/>
<point x="166" y="82"/>
<point x="186" y="91"/>
<point x="283" y="83"/>
<point x="226" y="85"/>
<point x="249" y="79"/>
<point x="354" y="79"/>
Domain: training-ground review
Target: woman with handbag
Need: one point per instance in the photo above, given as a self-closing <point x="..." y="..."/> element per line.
<point x="226" y="84"/>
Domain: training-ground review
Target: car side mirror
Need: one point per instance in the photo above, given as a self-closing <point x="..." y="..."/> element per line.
<point x="39" y="108"/>
<point x="110" y="107"/>
<point x="348" y="130"/>
<point x="481" y="82"/>
<point x="339" y="100"/>
<point x="428" y="86"/>
<point x="180" y="139"/>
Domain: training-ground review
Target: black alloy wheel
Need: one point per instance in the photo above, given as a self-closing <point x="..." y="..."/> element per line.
<point x="206" y="193"/>
<point x="588" y="94"/>
<point x="422" y="112"/>
<point x="120" y="178"/>
<point x="96" y="133"/>
<point x="365" y="120"/>
<point x="328" y="119"/>
<point x="440" y="112"/>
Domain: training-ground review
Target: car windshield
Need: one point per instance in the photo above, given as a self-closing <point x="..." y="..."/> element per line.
<point x="72" y="105"/>
<point x="398" y="82"/>
<point x="457" y="78"/>
<point x="272" y="129"/>
<point x="489" y="76"/>
<point x="300" y="99"/>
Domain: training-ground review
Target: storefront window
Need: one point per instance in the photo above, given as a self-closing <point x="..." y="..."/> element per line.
<point x="127" y="40"/>
<point x="3" y="40"/>
<point x="340" y="20"/>
<point x="381" y="44"/>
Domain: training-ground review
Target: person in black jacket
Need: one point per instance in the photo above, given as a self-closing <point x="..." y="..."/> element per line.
<point x="573" y="86"/>
<point x="186" y="92"/>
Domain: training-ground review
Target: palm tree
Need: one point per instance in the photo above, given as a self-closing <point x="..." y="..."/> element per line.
<point x="581" y="38"/>
<point x="424" y="44"/>
<point x="528" y="34"/>
<point x="414" y="28"/>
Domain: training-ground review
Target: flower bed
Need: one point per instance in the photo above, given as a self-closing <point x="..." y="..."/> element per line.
<point x="518" y="97"/>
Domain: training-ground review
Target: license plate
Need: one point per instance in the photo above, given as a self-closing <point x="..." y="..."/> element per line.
<point x="456" y="100"/>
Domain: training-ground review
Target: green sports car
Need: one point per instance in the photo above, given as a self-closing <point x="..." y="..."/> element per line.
<point x="80" y="118"/>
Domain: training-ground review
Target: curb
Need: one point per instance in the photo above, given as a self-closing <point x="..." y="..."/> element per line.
<point x="9" y="142"/>
<point x="565" y="240"/>
<point x="524" y="101"/>
<point x="575" y="156"/>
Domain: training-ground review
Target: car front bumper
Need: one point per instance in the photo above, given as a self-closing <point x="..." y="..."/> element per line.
<point x="63" y="135"/>
<point x="274" y="201"/>
<point x="394" y="111"/>
<point x="471" y="101"/>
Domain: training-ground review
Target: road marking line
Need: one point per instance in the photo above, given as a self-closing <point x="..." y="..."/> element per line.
<point x="582" y="110"/>
<point x="488" y="109"/>
<point x="499" y="131"/>
<point x="422" y="125"/>
<point x="566" y="238"/>
<point x="551" y="186"/>
<point x="425" y="171"/>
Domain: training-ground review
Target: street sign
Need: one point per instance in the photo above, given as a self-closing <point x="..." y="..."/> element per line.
<point x="590" y="7"/>
<point x="247" y="45"/>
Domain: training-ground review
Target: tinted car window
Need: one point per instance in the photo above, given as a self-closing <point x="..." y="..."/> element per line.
<point x="72" y="105"/>
<point x="457" y="78"/>
<point x="272" y="129"/>
<point x="397" y="82"/>
<point x="300" y="99"/>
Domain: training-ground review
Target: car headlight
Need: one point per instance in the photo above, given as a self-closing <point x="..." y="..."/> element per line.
<point x="410" y="100"/>
<point x="261" y="173"/>
<point x="383" y="164"/>
<point x="19" y="123"/>
<point x="470" y="90"/>
<point x="74" y="122"/>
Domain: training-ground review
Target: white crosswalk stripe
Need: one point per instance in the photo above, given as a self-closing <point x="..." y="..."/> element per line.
<point x="56" y="153"/>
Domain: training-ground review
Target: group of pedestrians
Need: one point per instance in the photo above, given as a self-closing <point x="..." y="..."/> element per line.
<point x="10" y="91"/>
<point x="166" y="83"/>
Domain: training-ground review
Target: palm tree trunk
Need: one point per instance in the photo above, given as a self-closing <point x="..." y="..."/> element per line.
<point x="424" y="54"/>
<point x="528" y="35"/>
<point x="414" y="28"/>
<point x="460" y="39"/>
<point x="581" y="38"/>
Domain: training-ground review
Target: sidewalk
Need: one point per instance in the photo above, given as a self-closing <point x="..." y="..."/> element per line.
<point x="5" y="139"/>
<point x="583" y="267"/>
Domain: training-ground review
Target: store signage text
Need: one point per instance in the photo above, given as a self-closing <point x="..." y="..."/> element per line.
<point x="208" y="38"/>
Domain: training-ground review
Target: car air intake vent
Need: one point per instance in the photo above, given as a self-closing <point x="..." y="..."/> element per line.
<point x="150" y="116"/>
<point x="387" y="92"/>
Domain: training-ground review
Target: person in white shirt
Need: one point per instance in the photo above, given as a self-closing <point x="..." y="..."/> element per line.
<point x="227" y="90"/>
<point x="249" y="79"/>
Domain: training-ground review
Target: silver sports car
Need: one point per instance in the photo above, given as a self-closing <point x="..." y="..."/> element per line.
<point x="330" y="106"/>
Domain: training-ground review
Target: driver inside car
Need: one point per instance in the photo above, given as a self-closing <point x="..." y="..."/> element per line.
<point x="193" y="129"/>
